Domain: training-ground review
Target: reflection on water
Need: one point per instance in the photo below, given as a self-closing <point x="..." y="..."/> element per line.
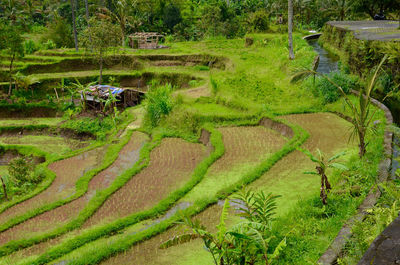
<point x="327" y="62"/>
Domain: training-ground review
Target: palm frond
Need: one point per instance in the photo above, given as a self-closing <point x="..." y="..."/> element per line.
<point x="278" y="250"/>
<point x="337" y="156"/>
<point x="301" y="75"/>
<point x="338" y="166"/>
<point x="222" y="223"/>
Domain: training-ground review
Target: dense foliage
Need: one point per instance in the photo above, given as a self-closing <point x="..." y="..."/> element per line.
<point x="184" y="19"/>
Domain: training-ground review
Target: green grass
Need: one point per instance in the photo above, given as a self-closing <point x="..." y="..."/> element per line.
<point x="49" y="144"/>
<point x="31" y="121"/>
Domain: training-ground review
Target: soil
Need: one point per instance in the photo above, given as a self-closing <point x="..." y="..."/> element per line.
<point x="8" y="112"/>
<point x="128" y="156"/>
<point x="171" y="165"/>
<point x="64" y="132"/>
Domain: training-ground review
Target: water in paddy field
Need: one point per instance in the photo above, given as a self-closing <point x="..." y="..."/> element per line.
<point x="327" y="61"/>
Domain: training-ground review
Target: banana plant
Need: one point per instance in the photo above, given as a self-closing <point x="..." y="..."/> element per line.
<point x="362" y="115"/>
<point x="83" y="90"/>
<point x="246" y="242"/>
<point x="322" y="165"/>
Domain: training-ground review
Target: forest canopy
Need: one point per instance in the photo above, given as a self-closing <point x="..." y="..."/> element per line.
<point x="182" y="19"/>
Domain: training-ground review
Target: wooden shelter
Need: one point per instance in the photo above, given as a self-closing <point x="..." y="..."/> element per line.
<point x="145" y="40"/>
<point x="98" y="94"/>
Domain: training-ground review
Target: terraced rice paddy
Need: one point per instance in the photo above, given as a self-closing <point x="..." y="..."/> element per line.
<point x="171" y="165"/>
<point x="128" y="156"/>
<point x="285" y="178"/>
<point x="239" y="151"/>
<point x="68" y="171"/>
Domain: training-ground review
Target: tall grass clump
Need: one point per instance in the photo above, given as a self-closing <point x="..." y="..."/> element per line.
<point x="158" y="104"/>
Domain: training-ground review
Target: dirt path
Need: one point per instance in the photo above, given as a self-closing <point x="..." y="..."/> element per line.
<point x="128" y="156"/>
<point x="326" y="132"/>
<point x="171" y="165"/>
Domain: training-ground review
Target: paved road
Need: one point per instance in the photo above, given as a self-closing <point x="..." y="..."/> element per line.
<point x="371" y="30"/>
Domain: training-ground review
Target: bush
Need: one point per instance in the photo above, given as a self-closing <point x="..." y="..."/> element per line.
<point x="30" y="47"/>
<point x="49" y="44"/>
<point x="20" y="169"/>
<point x="158" y="104"/>
<point x="327" y="90"/>
<point x="60" y="33"/>
<point x="97" y="127"/>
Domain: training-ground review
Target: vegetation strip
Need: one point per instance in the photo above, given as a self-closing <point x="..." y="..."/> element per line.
<point x="332" y="253"/>
<point x="81" y="185"/>
<point x="216" y="139"/>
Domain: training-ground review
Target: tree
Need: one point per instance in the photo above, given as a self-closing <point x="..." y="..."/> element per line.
<point x="74" y="25"/>
<point x="12" y="42"/>
<point x="361" y="111"/>
<point x="373" y="7"/>
<point x="244" y="243"/>
<point x="120" y="14"/>
<point x="101" y="36"/>
<point x="290" y="29"/>
<point x="322" y="165"/>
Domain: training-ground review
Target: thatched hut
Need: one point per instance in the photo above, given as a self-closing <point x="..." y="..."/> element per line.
<point x="146" y="40"/>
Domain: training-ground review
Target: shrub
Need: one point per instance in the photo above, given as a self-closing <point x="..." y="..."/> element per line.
<point x="20" y="169"/>
<point x="158" y="104"/>
<point x="60" y="33"/>
<point x="49" y="44"/>
<point x="330" y="93"/>
<point x="30" y="47"/>
<point x="97" y="127"/>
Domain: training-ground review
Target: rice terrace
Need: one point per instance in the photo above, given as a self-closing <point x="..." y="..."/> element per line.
<point x="199" y="132"/>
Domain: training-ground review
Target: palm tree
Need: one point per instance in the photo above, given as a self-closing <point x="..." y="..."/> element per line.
<point x="120" y="15"/>
<point x="74" y="25"/>
<point x="290" y="29"/>
<point x="87" y="18"/>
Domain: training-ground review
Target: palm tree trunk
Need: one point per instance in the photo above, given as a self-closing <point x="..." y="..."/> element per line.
<point x="10" y="73"/>
<point x="290" y="29"/>
<point x="361" y="145"/>
<point x="87" y="19"/>
<point x="74" y="25"/>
